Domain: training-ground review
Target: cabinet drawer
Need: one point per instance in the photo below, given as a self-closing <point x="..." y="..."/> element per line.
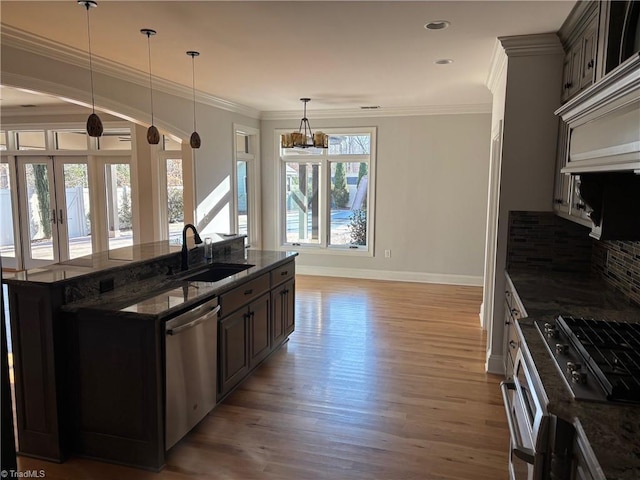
<point x="239" y="296"/>
<point x="283" y="273"/>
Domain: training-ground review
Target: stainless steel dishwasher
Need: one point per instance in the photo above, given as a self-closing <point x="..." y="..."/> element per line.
<point x="191" y="352"/>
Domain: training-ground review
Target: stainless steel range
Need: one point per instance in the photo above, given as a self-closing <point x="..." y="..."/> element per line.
<point x="599" y="359"/>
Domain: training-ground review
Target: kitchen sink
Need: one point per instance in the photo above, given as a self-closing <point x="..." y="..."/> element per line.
<point x="217" y="272"/>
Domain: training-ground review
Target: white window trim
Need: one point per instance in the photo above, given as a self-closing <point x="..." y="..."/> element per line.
<point x="254" y="219"/>
<point x="324" y="248"/>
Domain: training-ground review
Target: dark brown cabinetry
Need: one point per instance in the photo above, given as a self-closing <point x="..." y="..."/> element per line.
<point x="37" y="334"/>
<point x="91" y="381"/>
<point x="116" y="366"/>
<point x="255" y="319"/>
<point x="233" y="351"/>
<point x="283" y="299"/>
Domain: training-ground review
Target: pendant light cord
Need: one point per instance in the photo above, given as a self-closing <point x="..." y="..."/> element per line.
<point x="193" y="77"/>
<point x="93" y="102"/>
<point x="150" y="81"/>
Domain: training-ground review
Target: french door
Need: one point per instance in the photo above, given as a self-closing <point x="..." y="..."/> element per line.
<point x="54" y="202"/>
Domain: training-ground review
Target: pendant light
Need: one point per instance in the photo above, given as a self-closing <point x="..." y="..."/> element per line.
<point x="304" y="137"/>
<point x="94" y="124"/>
<point x="194" y="141"/>
<point x="153" y="136"/>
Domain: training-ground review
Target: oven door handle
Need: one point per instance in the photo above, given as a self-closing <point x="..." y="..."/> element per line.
<point x="520" y="451"/>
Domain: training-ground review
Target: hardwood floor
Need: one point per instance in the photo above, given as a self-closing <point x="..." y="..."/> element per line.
<point x="381" y="380"/>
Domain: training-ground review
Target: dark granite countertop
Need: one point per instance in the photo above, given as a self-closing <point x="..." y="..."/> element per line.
<point x="613" y="430"/>
<point x="161" y="298"/>
<point x="120" y="258"/>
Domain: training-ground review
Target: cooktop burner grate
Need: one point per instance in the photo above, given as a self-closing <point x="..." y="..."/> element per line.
<point x="612" y="352"/>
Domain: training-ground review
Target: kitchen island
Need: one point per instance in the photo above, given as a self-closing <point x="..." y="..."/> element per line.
<point x="612" y="430"/>
<point x="90" y="345"/>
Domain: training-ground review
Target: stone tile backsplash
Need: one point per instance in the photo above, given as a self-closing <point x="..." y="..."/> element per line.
<point x="545" y="241"/>
<point x="618" y="263"/>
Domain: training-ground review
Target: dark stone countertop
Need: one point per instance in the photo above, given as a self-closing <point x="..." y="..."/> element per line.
<point x="96" y="263"/>
<point x="613" y="430"/>
<point x="160" y="299"/>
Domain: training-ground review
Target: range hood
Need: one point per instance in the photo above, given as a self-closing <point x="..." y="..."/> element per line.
<point x="604" y="123"/>
<point x="613" y="204"/>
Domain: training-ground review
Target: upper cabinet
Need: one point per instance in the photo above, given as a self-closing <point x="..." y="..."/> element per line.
<point x="579" y="36"/>
<point x="599" y="140"/>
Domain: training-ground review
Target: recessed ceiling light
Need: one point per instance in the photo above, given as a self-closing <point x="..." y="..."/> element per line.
<point x="437" y="25"/>
<point x="443" y="61"/>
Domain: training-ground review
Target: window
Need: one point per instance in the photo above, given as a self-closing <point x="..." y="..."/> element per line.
<point x="3" y="141"/>
<point x="326" y="196"/>
<point x="115" y="139"/>
<point x="245" y="185"/>
<point x="31" y="140"/>
<point x="70" y="140"/>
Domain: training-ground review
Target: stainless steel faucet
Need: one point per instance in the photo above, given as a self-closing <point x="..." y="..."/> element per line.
<point x="185" y="252"/>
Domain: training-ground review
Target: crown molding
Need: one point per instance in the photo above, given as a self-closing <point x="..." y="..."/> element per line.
<point x="382" y="112"/>
<point x="526" y="45"/>
<point x="497" y="67"/>
<point x="38" y="45"/>
<point x="28" y="42"/>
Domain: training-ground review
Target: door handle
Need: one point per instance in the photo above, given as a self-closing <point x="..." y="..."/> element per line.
<point x="53" y="215"/>
<point x="60" y="217"/>
<point x="520" y="451"/>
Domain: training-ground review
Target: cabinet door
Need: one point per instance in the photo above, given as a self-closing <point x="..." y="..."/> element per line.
<point x="233" y="335"/>
<point x="588" y="62"/>
<point x="259" y="337"/>
<point x="562" y="181"/>
<point x="576" y="54"/>
<point x="282" y="320"/>
<point x="566" y="78"/>
<point x="278" y="298"/>
<point x="577" y="208"/>
<point x="289" y="311"/>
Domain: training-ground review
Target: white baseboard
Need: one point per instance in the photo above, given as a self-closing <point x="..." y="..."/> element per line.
<point x="467" y="280"/>
<point x="495" y="364"/>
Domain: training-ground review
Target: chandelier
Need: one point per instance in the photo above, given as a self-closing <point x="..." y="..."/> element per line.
<point x="304" y="137"/>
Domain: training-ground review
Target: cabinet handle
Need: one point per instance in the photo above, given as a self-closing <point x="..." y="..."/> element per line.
<point x="248" y="292"/>
<point x="580" y="206"/>
<point x="557" y="201"/>
<point x="515" y="312"/>
<point x="512" y="344"/>
<point x="568" y="85"/>
<point x="590" y="64"/>
<point x="286" y="272"/>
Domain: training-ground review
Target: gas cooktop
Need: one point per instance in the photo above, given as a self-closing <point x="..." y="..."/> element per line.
<point x="598" y="359"/>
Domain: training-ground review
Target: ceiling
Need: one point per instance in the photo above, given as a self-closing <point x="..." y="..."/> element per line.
<point x="266" y="55"/>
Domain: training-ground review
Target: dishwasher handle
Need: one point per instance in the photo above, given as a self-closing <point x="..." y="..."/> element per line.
<point x="199" y="315"/>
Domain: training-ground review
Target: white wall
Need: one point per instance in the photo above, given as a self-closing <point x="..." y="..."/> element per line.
<point x="173" y="113"/>
<point x="526" y="101"/>
<point x="432" y="177"/>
